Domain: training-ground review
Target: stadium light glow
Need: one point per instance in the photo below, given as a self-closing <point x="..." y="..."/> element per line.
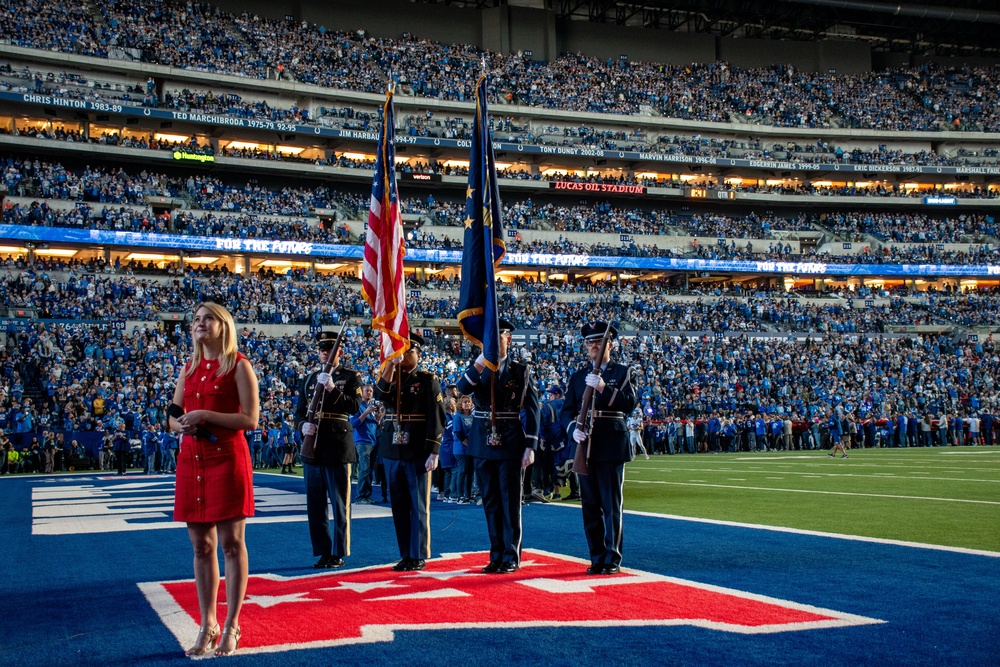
<point x="172" y="138"/>
<point x="291" y="150"/>
<point x="240" y="145"/>
<point x="149" y="257"/>
<point x="57" y="252"/>
<point x="330" y="267"/>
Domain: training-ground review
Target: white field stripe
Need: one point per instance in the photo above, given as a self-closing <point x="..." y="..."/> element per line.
<point x="825" y="493"/>
<point x="817" y="533"/>
<point x="877" y="475"/>
<point x="914" y="463"/>
<point x="802" y="531"/>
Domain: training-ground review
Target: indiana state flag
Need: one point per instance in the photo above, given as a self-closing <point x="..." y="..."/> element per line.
<point x="484" y="244"/>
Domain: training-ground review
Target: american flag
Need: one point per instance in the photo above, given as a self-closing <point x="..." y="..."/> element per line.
<point x="382" y="271"/>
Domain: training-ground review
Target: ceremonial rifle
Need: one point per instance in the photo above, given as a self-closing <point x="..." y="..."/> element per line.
<point x="585" y="420"/>
<point x="309" y="441"/>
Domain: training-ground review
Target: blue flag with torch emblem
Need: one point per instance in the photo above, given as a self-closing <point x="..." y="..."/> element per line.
<point x="484" y="244"/>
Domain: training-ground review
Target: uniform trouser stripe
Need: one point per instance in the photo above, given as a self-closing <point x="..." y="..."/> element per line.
<point x="347" y="511"/>
<point x="520" y="532"/>
<point x="427" y="514"/>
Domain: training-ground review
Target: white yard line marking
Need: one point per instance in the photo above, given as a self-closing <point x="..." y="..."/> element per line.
<point x="818" y="533"/>
<point x="874" y="475"/>
<point x="827" y="493"/>
<point x="811" y="533"/>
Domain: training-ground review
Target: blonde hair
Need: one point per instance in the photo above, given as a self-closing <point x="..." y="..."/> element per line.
<point x="227" y="360"/>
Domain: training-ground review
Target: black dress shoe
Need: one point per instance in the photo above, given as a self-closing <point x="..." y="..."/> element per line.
<point x="402" y="566"/>
<point x="492" y="567"/>
<point x="610" y="569"/>
<point x="416" y="564"/>
<point x="506" y="567"/>
<point x="328" y="562"/>
<point x="595" y="569"/>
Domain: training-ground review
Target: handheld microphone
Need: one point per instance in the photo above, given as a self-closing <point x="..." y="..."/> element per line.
<point x="176" y="411"/>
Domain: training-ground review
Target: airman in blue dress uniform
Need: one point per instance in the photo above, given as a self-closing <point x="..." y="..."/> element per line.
<point x="502" y="446"/>
<point x="609" y="450"/>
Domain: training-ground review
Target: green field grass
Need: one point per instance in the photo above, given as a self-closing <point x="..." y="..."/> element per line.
<point x="946" y="496"/>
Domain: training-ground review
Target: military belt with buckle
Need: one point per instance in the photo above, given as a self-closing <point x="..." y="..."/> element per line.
<point x="604" y="414"/>
<point x="331" y="415"/>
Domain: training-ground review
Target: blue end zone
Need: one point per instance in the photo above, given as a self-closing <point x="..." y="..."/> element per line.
<point x="72" y="598"/>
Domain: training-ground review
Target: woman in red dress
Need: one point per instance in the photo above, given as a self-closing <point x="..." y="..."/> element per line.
<point x="214" y="493"/>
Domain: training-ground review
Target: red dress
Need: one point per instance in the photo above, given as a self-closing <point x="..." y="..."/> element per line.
<point x="214" y="479"/>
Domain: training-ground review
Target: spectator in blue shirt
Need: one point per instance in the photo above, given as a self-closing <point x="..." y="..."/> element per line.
<point x="365" y="424"/>
<point x="150" y="443"/>
<point x="836" y="436"/>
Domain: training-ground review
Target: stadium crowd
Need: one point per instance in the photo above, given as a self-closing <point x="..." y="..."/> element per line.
<point x="66" y="383"/>
<point x="77" y="86"/>
<point x="76" y="384"/>
<point x="198" y="36"/>
<point x="245" y="211"/>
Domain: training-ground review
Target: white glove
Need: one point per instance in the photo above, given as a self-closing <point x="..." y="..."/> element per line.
<point x="308" y="428"/>
<point x="528" y="458"/>
<point x="579" y="435"/>
<point x="594" y="380"/>
<point x="481" y="359"/>
<point x="325" y="380"/>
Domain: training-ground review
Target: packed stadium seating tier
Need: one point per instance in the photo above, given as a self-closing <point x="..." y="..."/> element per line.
<point x="934" y="374"/>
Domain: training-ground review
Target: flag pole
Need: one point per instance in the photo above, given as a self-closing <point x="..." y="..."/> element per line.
<point x="397" y="371"/>
<point x="493" y="374"/>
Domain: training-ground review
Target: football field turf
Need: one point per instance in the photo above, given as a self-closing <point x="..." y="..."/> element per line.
<point x="885" y="558"/>
<point x="939" y="495"/>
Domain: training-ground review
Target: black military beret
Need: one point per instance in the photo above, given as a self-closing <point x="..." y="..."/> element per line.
<point x="595" y="330"/>
<point x="505" y="325"/>
<point x="416" y="340"/>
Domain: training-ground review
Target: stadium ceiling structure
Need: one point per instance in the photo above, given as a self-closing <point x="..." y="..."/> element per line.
<point x="966" y="28"/>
